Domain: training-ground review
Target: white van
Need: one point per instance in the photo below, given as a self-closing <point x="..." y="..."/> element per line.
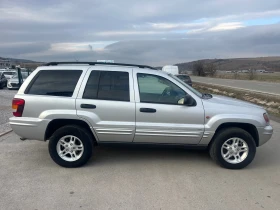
<point x="171" y="69"/>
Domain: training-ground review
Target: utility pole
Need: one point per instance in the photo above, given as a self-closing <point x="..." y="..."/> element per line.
<point x="19" y="77"/>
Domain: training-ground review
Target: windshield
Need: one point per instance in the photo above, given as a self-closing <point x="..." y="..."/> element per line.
<point x="187" y="86"/>
<point x="24" y="75"/>
<point x="8" y="73"/>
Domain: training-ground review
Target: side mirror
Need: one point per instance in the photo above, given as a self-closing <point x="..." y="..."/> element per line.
<point x="187" y="100"/>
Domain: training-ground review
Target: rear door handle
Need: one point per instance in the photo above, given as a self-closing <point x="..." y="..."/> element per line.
<point x="88" y="106"/>
<point x="148" y="110"/>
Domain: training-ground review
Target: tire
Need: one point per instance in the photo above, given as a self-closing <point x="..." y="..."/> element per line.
<point x="223" y="139"/>
<point x="1" y="86"/>
<point x="65" y="134"/>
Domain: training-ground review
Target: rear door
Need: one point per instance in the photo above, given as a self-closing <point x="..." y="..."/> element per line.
<point x="106" y="101"/>
<point x="159" y="117"/>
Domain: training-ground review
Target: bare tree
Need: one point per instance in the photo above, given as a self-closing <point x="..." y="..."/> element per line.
<point x="252" y="74"/>
<point x="210" y="69"/>
<point x="198" y="69"/>
<point x="235" y="74"/>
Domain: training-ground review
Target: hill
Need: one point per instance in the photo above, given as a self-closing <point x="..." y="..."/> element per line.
<point x="17" y="60"/>
<point x="22" y="62"/>
<point x="266" y="63"/>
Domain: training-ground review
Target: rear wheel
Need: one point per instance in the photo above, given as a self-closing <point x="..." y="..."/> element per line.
<point x="71" y="146"/>
<point x="233" y="148"/>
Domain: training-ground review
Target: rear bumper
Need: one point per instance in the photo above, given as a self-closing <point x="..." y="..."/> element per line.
<point x="29" y="128"/>
<point x="265" y="134"/>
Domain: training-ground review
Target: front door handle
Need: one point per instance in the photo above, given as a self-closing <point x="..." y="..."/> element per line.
<point x="88" y="106"/>
<point x="148" y="110"/>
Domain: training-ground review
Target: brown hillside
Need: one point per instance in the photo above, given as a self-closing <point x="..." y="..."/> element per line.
<point x="267" y="63"/>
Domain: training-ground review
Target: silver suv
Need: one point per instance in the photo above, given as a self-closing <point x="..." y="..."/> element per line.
<point x="77" y="106"/>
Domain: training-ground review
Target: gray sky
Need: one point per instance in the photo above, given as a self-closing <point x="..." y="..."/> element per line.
<point x="146" y="32"/>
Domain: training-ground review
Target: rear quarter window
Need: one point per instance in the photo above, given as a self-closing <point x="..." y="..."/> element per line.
<point x="54" y="83"/>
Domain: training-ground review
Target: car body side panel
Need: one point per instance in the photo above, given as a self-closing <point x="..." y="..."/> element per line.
<point x="39" y="110"/>
<point x="175" y="124"/>
<point x="113" y="121"/>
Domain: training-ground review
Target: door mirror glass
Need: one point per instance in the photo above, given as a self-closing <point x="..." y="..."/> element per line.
<point x="187" y="100"/>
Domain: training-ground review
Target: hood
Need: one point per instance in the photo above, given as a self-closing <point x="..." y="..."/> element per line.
<point x="232" y="101"/>
<point x="8" y="76"/>
<point x="14" y="80"/>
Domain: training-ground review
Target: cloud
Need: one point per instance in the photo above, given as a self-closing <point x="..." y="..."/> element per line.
<point x="17" y="49"/>
<point x="147" y="31"/>
<point x="227" y="26"/>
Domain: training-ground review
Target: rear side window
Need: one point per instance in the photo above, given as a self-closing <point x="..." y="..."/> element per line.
<point x="107" y="85"/>
<point x="54" y="83"/>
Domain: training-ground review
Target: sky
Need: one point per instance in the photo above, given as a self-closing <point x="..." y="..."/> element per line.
<point x="152" y="32"/>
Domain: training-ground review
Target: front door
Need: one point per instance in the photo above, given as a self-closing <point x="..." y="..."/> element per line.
<point x="159" y="117"/>
<point x="106" y="102"/>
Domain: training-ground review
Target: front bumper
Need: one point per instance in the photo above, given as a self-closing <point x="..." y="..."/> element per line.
<point x="265" y="134"/>
<point x="29" y="128"/>
<point x="12" y="85"/>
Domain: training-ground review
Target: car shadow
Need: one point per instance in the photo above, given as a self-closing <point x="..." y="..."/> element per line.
<point x="132" y="155"/>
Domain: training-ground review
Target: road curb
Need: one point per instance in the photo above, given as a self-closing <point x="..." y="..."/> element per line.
<point x="6" y="132"/>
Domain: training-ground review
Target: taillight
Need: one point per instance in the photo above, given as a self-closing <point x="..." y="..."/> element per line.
<point x="266" y="118"/>
<point x="18" y="106"/>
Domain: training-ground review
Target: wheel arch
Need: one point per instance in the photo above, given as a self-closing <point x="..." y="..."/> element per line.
<point x="250" y="128"/>
<point x="58" y="123"/>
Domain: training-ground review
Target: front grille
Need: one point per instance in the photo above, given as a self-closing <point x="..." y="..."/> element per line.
<point x="14" y="84"/>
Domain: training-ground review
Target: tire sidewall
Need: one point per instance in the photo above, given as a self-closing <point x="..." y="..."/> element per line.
<point x="79" y="133"/>
<point x="239" y="133"/>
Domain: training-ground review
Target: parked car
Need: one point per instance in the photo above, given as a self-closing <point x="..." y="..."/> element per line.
<point x="9" y="74"/>
<point x="85" y="104"/>
<point x="3" y="80"/>
<point x="13" y="83"/>
<point x="185" y="78"/>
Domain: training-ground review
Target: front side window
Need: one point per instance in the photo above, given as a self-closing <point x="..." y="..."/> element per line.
<point x="23" y="74"/>
<point x="54" y="82"/>
<point x="156" y="89"/>
<point x="107" y="85"/>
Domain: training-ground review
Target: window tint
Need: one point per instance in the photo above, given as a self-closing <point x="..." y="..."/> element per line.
<point x="108" y="85"/>
<point x="183" y="77"/>
<point x="55" y="82"/>
<point x="156" y="89"/>
<point x="9" y="73"/>
<point x="92" y="85"/>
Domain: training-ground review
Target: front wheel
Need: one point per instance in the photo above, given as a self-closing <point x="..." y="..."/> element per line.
<point x="71" y="146"/>
<point x="233" y="148"/>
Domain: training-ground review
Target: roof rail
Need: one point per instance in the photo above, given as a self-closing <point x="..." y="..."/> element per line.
<point x="99" y="63"/>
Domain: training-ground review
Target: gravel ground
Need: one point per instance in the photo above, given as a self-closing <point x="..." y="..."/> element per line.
<point x="6" y="97"/>
<point x="136" y="178"/>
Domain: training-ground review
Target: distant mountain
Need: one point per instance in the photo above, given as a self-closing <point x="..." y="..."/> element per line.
<point x="266" y="63"/>
<point x="17" y="60"/>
